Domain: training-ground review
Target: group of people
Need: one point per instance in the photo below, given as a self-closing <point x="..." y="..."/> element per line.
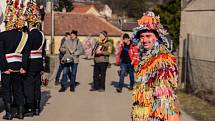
<point x="21" y="64"/>
<point x="70" y="50"/>
<point x="146" y="54"/>
<point x="22" y="52"/>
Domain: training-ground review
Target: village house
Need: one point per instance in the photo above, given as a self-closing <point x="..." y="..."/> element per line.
<point x="85" y="9"/>
<point x="85" y="24"/>
<point x="196" y="47"/>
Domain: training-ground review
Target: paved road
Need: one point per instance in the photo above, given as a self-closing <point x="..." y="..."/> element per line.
<point x="84" y="105"/>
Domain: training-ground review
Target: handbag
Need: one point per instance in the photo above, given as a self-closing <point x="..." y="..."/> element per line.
<point x="67" y="58"/>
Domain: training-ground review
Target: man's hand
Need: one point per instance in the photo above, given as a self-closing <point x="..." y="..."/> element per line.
<point x="7" y="71"/>
<point x="99" y="52"/>
<point x="22" y="71"/>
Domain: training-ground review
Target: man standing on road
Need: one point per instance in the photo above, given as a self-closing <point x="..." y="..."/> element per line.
<point x="154" y="95"/>
<point x="32" y="83"/>
<point x="124" y="59"/>
<point x="101" y="51"/>
<point x="14" y="53"/>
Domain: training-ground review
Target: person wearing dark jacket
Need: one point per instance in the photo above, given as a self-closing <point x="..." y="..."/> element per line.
<point x="124" y="58"/>
<point x="32" y="83"/>
<point x="60" y="68"/>
<point x="14" y="56"/>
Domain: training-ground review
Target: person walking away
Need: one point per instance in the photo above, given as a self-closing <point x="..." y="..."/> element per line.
<point x="32" y="83"/>
<point x="14" y="54"/>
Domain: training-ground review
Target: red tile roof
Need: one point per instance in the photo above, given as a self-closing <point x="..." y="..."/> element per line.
<point x="81" y="8"/>
<point x="85" y="24"/>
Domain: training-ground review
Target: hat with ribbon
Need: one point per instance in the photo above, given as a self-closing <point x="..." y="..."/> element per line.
<point x="148" y="23"/>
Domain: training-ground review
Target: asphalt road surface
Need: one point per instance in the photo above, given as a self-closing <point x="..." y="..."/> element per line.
<point x="83" y="105"/>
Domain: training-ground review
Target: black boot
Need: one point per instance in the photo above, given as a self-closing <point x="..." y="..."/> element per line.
<point x="37" y="108"/>
<point x="62" y="89"/>
<point x="29" y="110"/>
<point x="19" y="113"/>
<point x="8" y="115"/>
<point x="72" y="88"/>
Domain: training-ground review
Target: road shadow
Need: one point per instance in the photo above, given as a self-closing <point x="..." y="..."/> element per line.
<point x="1" y="105"/>
<point x="116" y="83"/>
<point x="1" y="99"/>
<point x="45" y="96"/>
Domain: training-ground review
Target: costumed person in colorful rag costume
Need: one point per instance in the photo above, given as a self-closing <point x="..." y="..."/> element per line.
<point x="154" y="96"/>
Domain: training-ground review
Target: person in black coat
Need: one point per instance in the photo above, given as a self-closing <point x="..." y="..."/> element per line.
<point x="32" y="83"/>
<point x="14" y="54"/>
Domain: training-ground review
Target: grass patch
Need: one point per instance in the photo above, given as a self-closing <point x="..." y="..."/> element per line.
<point x="198" y="108"/>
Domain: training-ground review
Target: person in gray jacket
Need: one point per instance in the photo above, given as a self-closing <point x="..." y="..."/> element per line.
<point x="72" y="49"/>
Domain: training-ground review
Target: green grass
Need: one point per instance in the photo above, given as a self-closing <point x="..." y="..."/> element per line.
<point x="198" y="108"/>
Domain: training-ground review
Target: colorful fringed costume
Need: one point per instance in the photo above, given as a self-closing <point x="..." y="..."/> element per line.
<point x="154" y="93"/>
<point x="154" y="97"/>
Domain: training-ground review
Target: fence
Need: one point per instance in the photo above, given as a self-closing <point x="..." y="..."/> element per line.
<point x="198" y="66"/>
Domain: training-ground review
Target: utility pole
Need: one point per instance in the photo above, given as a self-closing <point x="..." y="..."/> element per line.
<point x="52" y="27"/>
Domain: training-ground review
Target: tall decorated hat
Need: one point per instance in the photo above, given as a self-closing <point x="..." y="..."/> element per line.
<point x="14" y="14"/>
<point x="150" y="22"/>
<point x="20" y="12"/>
<point x="33" y="12"/>
<point x="21" y="18"/>
<point x="10" y="14"/>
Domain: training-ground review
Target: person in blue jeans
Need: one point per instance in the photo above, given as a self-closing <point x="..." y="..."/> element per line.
<point x="60" y="68"/>
<point x="72" y="49"/>
<point x="124" y="59"/>
<point x="66" y="69"/>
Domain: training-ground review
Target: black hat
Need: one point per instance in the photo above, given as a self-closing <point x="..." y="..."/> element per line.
<point x="126" y="36"/>
<point x="146" y="30"/>
<point x="104" y="33"/>
<point x="75" y="32"/>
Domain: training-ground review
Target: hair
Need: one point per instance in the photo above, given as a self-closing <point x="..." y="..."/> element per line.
<point x="104" y="33"/>
<point x="125" y="36"/>
<point x="67" y="33"/>
<point x="75" y="32"/>
<point x="146" y="30"/>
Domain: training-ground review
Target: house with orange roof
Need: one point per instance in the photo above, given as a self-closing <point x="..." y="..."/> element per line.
<point x="85" y="9"/>
<point x="85" y="24"/>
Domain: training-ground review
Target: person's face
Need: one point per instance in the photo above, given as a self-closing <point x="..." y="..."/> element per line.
<point x="126" y="41"/>
<point x="101" y="36"/>
<point x="148" y="39"/>
<point x="73" y="36"/>
<point x="67" y="37"/>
